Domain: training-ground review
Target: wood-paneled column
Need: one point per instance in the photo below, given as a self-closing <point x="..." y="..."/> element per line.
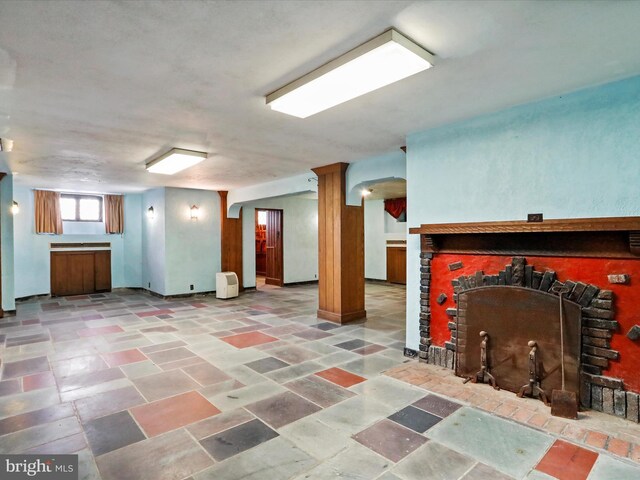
<point x="231" y="235"/>
<point x="340" y="248"/>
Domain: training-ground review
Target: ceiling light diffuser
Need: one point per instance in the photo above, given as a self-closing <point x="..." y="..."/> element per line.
<point x="381" y="61"/>
<point x="175" y="160"/>
<point x="6" y="145"/>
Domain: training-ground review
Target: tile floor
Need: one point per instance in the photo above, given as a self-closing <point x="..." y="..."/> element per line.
<point x="258" y="387"/>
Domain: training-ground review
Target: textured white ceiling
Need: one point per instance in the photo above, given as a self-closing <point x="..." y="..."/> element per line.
<point x="90" y="91"/>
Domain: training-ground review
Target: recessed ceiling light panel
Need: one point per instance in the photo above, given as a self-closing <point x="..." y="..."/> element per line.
<point x="381" y="61"/>
<point x="175" y="160"/>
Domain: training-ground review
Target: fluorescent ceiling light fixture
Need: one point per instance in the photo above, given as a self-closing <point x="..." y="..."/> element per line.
<point x="175" y="160"/>
<point x="383" y="60"/>
<point x="6" y="145"/>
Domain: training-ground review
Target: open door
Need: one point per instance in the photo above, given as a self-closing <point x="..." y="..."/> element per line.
<point x="275" y="269"/>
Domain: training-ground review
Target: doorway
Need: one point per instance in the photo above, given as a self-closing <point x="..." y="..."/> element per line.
<point x="269" y="247"/>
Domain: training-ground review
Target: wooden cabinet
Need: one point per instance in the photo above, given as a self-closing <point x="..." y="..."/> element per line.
<point x="80" y="272"/>
<point x="397" y="265"/>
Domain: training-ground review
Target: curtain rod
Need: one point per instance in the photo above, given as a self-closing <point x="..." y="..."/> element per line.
<point x="75" y="193"/>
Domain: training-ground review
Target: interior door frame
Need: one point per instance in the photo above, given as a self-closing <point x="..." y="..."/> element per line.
<point x="275" y="277"/>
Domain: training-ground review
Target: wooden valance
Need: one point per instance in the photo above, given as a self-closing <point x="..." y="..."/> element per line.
<point x="613" y="237"/>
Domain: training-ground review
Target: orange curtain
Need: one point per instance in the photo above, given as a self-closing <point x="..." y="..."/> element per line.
<point x="114" y="213"/>
<point x="48" y="217"/>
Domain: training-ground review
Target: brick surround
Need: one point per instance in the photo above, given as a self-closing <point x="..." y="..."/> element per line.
<point x="598" y="392"/>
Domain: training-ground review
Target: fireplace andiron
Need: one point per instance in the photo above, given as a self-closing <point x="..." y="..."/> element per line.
<point x="483" y="375"/>
<point x="533" y="387"/>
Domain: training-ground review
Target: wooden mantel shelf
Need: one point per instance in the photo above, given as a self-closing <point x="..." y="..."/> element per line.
<point x="612" y="237"/>
<point x="610" y="224"/>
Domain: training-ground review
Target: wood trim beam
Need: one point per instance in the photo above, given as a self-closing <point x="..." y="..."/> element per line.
<point x="610" y="224"/>
<point x="617" y="237"/>
<point x="231" y="241"/>
<point x="340" y="248"/>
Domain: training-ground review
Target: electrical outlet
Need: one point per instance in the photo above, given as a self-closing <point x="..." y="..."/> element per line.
<point x="149" y="284"/>
<point x="190" y="287"/>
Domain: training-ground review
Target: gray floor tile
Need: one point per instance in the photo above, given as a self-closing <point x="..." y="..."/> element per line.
<point x="268" y="364"/>
<point x="315" y="438"/>
<point x="172" y="456"/>
<point x="354" y="463"/>
<point x="354" y="415"/>
<point x="389" y="391"/>
<point x="506" y="446"/>
<point x="272" y="460"/>
<point x="483" y="472"/>
<point x="389" y="439"/>
<point x="608" y="468"/>
<point x="114" y="431"/>
<point x="437" y="405"/>
<point x="415" y="419"/>
<point x="433" y="461"/>
<point x="319" y="391"/>
<point x="237" y="439"/>
<point x="282" y="409"/>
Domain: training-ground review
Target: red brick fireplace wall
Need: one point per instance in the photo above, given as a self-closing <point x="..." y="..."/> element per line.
<point x="626" y="297"/>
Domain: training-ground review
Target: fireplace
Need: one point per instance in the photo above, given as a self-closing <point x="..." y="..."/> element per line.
<point x="502" y="279"/>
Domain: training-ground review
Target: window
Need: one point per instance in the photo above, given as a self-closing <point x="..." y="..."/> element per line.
<point x="81" y="208"/>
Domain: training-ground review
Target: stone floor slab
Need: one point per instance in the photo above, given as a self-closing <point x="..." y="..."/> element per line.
<point x="608" y="468"/>
<point x="274" y="459"/>
<point x="389" y="439"/>
<point x="415" y="419"/>
<point x="114" y="431"/>
<point x="506" y="446"/>
<point x="172" y="456"/>
<point x="433" y="461"/>
<point x="282" y="409"/>
<point x="356" y="462"/>
<point x="237" y="439"/>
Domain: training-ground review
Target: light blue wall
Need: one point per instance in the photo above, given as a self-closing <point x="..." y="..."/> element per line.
<point x="178" y="252"/>
<point x="132" y="247"/>
<point x="373" y="170"/>
<point x="304" y="183"/>
<point x="6" y="228"/>
<point x="32" y="251"/>
<point x="379" y="227"/>
<point x="192" y="246"/>
<point x="572" y="156"/>
<point x="153" y="241"/>
<point x="394" y="229"/>
<point x="375" y="244"/>
<point x="300" y="238"/>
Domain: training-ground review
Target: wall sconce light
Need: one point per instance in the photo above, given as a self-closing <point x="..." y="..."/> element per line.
<point x="150" y="213"/>
<point x="195" y="212"/>
<point x="366" y="192"/>
<point x="15" y="209"/>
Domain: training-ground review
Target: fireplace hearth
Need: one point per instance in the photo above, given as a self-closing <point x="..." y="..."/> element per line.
<point x="501" y="279"/>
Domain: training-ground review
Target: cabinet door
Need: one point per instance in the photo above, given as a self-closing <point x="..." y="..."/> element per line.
<point x="102" y="264"/>
<point x="396" y="265"/>
<point x="59" y="267"/>
<point x="274" y="266"/>
<point x="72" y="273"/>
